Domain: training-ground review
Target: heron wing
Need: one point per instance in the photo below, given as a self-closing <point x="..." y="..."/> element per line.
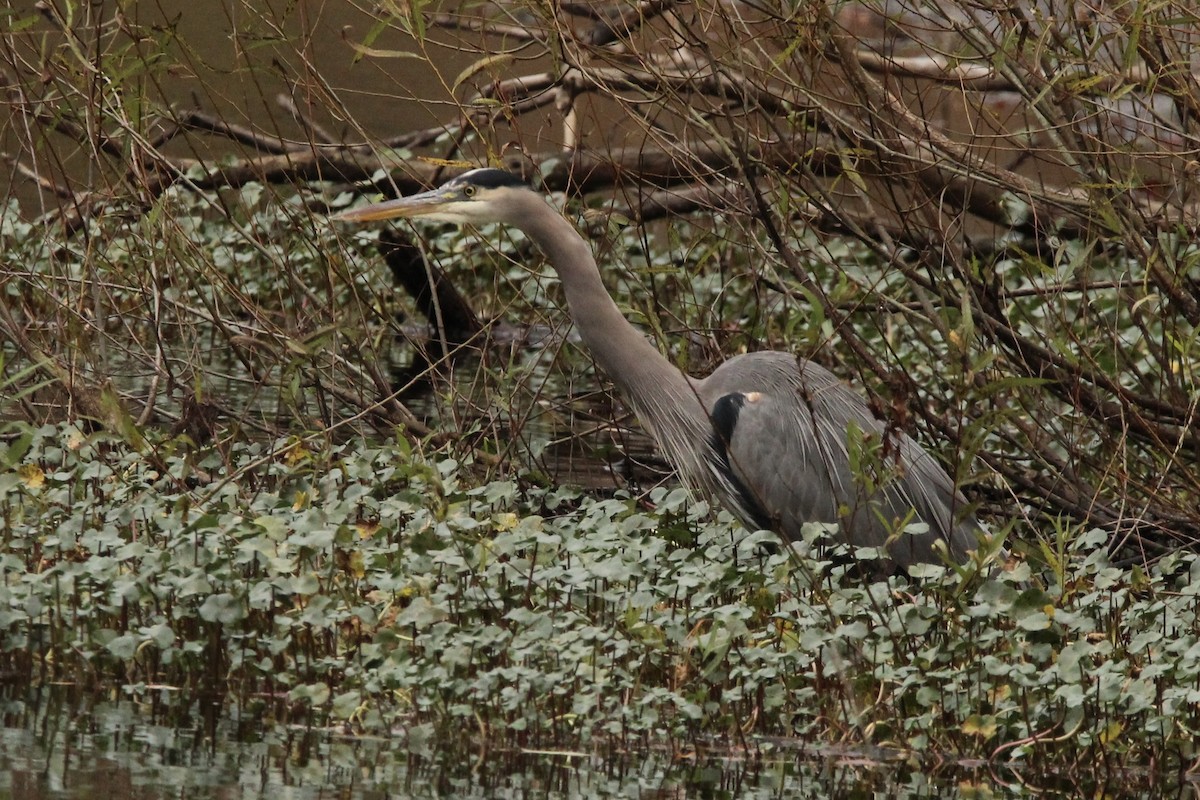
<point x="801" y="446"/>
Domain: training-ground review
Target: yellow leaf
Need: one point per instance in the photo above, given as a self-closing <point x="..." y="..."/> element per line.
<point x="296" y="347"/>
<point x="301" y="501"/>
<point x="981" y="726"/>
<point x="481" y="65"/>
<point x="32" y="476"/>
<point x="366" y="529"/>
<point x="1111" y="731"/>
<point x="374" y="52"/>
<point x="445" y="162"/>
<point x="505" y="522"/>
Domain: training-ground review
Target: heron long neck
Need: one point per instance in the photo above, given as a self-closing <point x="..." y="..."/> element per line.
<point x="660" y="393"/>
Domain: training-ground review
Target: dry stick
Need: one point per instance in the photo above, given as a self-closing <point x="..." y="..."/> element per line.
<point x="711" y="84"/>
<point x="98" y="402"/>
<point x="522" y="94"/>
<point x="413" y="139"/>
<point x="1078" y="508"/>
<point x="159" y="350"/>
<point x="1044" y="81"/>
<point x="57" y="189"/>
<point x="524" y="33"/>
<point x="1038" y="360"/>
<point x="981" y="188"/>
<point x="587" y="171"/>
<point x="1175" y="77"/>
<point x="352" y="164"/>
<point x="1072" y="381"/>
<point x="663" y="203"/>
<point x="982" y="77"/>
<point x="318" y="135"/>
<point x="103" y="404"/>
<point x="1079" y="500"/>
<point x="194" y="119"/>
<point x="1083" y="499"/>
<point x="564" y="103"/>
<point x="396" y="412"/>
<point x="627" y="19"/>
<point x="965" y="194"/>
<point x="945" y="168"/>
<point x="339" y="161"/>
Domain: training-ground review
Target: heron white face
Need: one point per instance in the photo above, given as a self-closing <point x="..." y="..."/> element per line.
<point x="477" y="196"/>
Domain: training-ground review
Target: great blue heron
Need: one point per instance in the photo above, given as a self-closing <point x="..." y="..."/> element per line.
<point x="771" y="435"/>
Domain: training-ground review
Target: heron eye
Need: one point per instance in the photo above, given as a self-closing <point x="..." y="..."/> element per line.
<point x="468" y="191"/>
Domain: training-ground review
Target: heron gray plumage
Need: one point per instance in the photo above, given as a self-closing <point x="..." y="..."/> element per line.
<point x="778" y="439"/>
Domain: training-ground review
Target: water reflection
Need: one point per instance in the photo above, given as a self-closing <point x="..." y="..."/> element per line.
<point x="116" y="751"/>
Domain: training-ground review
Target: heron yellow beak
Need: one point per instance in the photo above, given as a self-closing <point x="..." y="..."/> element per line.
<point x="417" y="205"/>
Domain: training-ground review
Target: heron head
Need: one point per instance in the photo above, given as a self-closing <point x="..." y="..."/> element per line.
<point x="481" y="195"/>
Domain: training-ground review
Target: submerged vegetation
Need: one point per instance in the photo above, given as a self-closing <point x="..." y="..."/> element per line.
<point x="371" y="586"/>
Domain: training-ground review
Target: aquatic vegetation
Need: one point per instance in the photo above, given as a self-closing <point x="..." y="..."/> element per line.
<point x="389" y="590"/>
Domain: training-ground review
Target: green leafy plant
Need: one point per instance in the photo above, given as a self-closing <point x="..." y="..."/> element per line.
<point x="369" y="585"/>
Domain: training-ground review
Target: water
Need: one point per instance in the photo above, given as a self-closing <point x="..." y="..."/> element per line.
<point x="121" y="751"/>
